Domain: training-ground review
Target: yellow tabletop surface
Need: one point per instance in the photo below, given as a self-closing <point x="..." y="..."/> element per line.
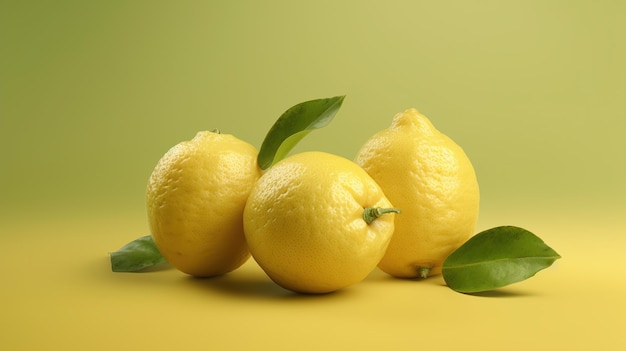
<point x="60" y="293"/>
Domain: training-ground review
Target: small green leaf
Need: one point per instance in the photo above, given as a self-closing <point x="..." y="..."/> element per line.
<point x="495" y="258"/>
<point x="136" y="255"/>
<point x="295" y="124"/>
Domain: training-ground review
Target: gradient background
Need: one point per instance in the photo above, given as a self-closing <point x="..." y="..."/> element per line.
<point x="92" y="93"/>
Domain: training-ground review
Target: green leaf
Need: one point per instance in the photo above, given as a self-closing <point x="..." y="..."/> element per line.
<point x="136" y="255"/>
<point x="495" y="258"/>
<point x="293" y="125"/>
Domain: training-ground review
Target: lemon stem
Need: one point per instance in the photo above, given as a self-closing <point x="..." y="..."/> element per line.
<point x="423" y="272"/>
<point x="216" y="131"/>
<point x="371" y="213"/>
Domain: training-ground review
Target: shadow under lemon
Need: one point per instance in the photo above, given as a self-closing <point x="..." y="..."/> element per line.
<point x="250" y="281"/>
<point x="437" y="281"/>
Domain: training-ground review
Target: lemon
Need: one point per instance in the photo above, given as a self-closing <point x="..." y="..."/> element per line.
<point x="195" y="199"/>
<point x="306" y="223"/>
<point x="428" y="176"/>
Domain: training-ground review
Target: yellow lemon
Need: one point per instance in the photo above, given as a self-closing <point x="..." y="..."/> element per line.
<point x="316" y="222"/>
<point x="429" y="177"/>
<point x="195" y="200"/>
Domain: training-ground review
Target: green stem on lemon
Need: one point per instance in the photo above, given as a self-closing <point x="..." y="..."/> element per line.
<point x="371" y="213"/>
<point x="217" y="131"/>
<point x="423" y="272"/>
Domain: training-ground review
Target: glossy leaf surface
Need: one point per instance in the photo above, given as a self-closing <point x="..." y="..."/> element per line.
<point x="138" y="254"/>
<point x="293" y="125"/>
<point x="495" y="258"/>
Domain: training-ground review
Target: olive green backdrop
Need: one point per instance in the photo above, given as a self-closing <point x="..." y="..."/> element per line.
<point x="92" y="93"/>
